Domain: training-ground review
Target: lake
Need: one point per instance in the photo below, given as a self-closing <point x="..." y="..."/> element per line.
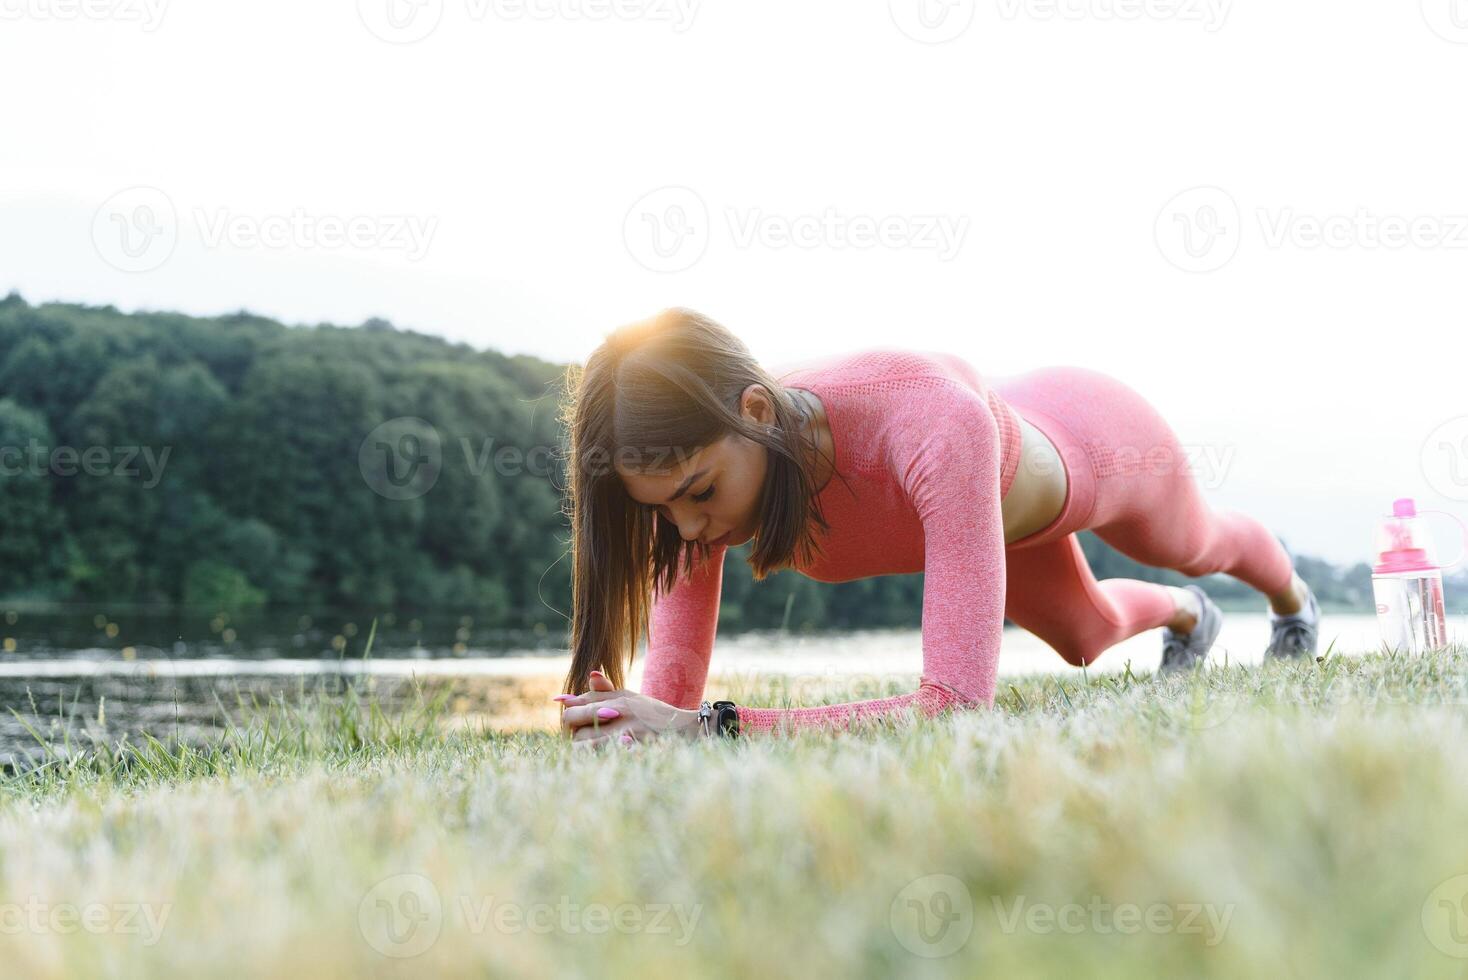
<point x="168" y="675"/>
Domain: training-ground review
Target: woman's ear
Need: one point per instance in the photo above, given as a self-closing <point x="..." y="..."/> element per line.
<point x="755" y="405"/>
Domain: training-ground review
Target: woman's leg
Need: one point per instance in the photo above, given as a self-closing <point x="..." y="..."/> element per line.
<point x="1131" y="484"/>
<point x="1051" y="592"/>
<point x="1150" y="507"/>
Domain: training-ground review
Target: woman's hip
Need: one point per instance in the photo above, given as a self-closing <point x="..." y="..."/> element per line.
<point x="1108" y="437"/>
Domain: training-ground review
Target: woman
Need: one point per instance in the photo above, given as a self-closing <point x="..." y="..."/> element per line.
<point x="880" y="462"/>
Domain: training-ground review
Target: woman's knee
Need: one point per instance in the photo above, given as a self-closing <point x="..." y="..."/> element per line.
<point x="1079" y="651"/>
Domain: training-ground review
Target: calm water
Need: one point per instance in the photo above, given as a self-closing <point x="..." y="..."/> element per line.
<point x="166" y="675"/>
<point x="103" y="634"/>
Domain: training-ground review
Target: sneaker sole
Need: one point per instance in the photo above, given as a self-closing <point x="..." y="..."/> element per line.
<point x="1210" y="623"/>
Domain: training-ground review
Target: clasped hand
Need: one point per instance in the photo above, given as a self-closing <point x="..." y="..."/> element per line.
<point x="606" y="715"/>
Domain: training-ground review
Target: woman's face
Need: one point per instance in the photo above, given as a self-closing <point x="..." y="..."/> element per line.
<point x="713" y="494"/>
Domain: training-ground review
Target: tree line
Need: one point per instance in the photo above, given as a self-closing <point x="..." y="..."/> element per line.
<point x="234" y="461"/>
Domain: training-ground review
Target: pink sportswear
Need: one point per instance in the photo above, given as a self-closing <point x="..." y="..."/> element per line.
<point x="928" y="449"/>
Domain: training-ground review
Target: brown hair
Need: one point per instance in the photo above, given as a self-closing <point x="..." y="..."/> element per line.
<point x="659" y="387"/>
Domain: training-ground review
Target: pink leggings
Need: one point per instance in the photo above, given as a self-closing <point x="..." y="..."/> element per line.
<point x="1129" y="483"/>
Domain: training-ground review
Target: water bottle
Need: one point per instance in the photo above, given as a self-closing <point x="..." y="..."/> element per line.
<point x="1408" y="582"/>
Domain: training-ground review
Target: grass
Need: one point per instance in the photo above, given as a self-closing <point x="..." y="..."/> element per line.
<point x="1293" y="819"/>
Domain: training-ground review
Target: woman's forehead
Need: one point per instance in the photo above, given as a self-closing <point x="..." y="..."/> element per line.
<point x="655" y="480"/>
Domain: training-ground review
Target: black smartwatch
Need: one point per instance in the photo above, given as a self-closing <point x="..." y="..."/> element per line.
<point x="726" y="719"/>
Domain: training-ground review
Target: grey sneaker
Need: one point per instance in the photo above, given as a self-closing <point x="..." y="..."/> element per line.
<point x="1181" y="651"/>
<point x="1297" y="634"/>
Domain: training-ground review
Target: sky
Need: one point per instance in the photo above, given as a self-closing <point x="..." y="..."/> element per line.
<point x="1253" y="213"/>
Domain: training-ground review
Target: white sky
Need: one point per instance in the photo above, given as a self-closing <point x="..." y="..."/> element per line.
<point x="1050" y="138"/>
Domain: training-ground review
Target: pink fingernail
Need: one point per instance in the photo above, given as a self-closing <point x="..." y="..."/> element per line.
<point x="608" y="713"/>
<point x="563" y="697"/>
<point x="626" y="738"/>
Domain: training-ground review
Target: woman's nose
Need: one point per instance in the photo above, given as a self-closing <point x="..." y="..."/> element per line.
<point x="690" y="527"/>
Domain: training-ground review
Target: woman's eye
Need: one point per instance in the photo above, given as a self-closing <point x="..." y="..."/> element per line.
<point x="701" y="497"/>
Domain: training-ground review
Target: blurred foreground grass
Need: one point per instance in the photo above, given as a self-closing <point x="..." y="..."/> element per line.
<point x="1292" y="819"/>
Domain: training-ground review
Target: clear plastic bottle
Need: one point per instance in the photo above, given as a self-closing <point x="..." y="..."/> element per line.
<point x="1407" y="581"/>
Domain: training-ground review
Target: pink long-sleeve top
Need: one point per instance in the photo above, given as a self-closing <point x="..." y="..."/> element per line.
<point x="928" y="450"/>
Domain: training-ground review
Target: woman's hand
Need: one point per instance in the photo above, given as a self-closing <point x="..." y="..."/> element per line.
<point x="608" y="716"/>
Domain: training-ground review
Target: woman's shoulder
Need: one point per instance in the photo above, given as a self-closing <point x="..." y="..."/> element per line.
<point x="883" y="367"/>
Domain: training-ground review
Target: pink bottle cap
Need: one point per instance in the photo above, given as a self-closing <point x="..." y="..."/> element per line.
<point x="1403" y="559"/>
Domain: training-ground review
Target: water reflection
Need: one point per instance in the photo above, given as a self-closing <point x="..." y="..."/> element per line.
<point x="71" y="680"/>
<point x="100" y="633"/>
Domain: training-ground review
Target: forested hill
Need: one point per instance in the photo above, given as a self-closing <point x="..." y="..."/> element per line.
<point x="160" y="458"/>
<point x="235" y="461"/>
